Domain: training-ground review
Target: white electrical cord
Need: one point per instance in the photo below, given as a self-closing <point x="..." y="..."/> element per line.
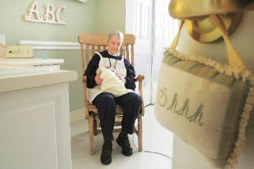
<point x="148" y="151"/>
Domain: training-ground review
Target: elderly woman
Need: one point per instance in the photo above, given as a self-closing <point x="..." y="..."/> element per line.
<point x="106" y="101"/>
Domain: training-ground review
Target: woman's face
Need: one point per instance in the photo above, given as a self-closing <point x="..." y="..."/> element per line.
<point x="114" y="45"/>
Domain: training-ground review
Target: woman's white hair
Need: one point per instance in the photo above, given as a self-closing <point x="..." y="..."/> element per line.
<point x="118" y="34"/>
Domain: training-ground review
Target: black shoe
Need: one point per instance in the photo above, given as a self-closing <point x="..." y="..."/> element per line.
<point x="106" y="153"/>
<point x="123" y="141"/>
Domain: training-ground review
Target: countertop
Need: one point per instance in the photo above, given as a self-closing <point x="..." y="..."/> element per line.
<point x="30" y="80"/>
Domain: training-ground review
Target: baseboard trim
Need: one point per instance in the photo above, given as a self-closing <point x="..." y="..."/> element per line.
<point x="77" y="122"/>
<point x="77" y="115"/>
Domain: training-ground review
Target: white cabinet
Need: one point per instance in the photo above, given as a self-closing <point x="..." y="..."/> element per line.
<point x="34" y="121"/>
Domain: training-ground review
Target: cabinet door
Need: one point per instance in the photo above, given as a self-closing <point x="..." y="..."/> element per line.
<point x="34" y="128"/>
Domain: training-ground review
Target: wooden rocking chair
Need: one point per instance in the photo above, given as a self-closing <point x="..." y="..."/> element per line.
<point x="91" y="43"/>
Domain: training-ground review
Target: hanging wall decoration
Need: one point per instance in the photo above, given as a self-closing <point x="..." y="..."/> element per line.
<point x="51" y="15"/>
<point x="206" y="103"/>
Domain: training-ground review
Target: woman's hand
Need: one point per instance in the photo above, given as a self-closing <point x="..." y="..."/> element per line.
<point x="98" y="79"/>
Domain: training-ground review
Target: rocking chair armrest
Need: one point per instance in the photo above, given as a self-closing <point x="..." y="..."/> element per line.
<point x="84" y="78"/>
<point x="139" y="78"/>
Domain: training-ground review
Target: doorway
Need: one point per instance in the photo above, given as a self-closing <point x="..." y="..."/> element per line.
<point x="154" y="29"/>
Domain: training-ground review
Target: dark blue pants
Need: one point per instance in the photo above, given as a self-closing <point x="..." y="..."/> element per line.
<point x="106" y="105"/>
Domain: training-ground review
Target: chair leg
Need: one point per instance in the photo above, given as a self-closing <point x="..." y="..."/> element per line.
<point x="95" y="131"/>
<point x="91" y="136"/>
<point x="140" y="133"/>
